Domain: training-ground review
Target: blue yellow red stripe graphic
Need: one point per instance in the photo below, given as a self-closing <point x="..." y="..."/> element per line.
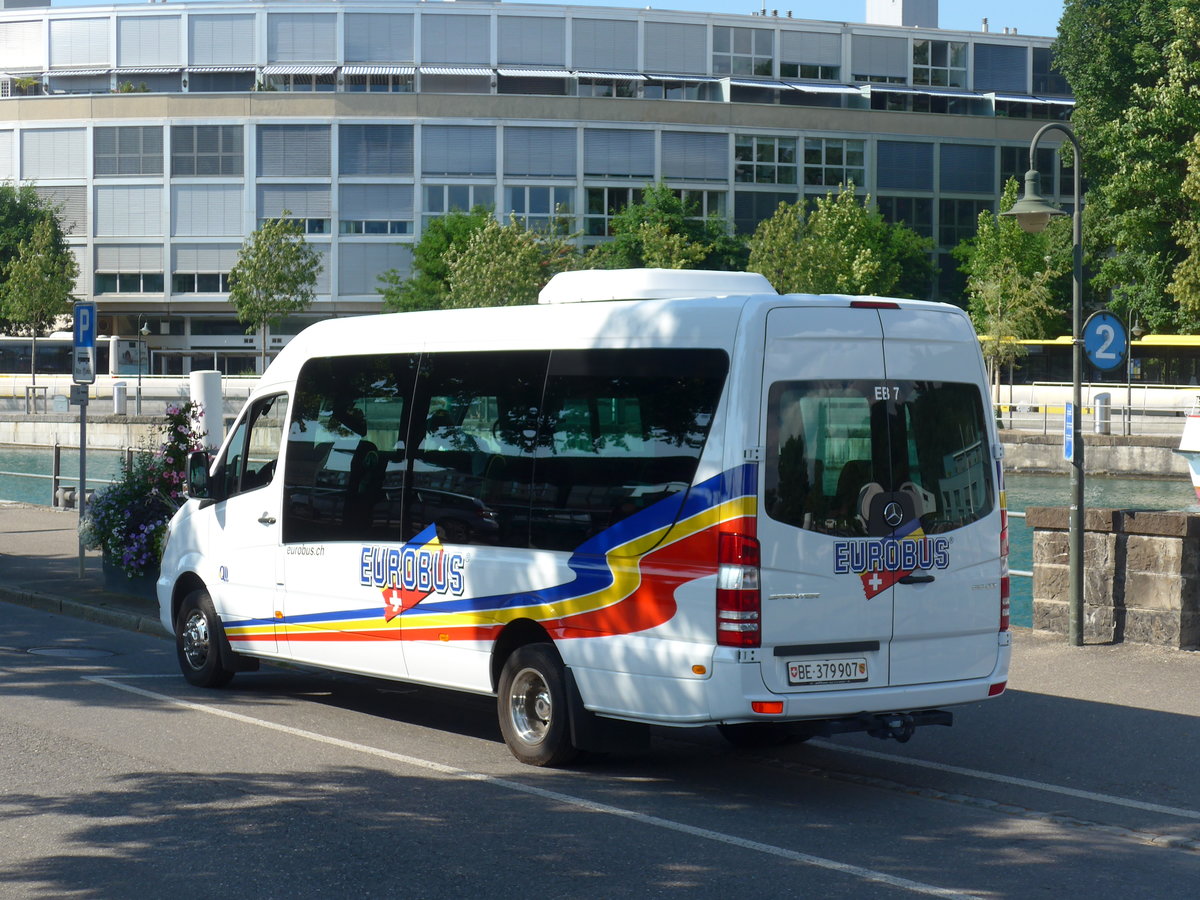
<point x="623" y="579"/>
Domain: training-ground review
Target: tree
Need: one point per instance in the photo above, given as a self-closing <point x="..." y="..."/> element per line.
<point x="38" y="283"/>
<point x="275" y="274"/>
<point x="20" y="210"/>
<point x="429" y="285"/>
<point x="1010" y="282"/>
<point x="1132" y="65"/>
<point x="842" y="247"/>
<point x="504" y="265"/>
<point x="664" y="230"/>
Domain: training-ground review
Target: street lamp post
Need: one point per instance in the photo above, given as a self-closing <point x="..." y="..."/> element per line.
<point x="1033" y="214"/>
<point x="1135" y="333"/>
<point x="143" y="330"/>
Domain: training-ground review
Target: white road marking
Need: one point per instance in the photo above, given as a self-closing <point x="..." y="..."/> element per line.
<point x="869" y="875"/>
<point x="1011" y="779"/>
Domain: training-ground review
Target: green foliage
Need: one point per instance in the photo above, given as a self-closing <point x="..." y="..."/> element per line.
<point x="1012" y="280"/>
<point x="664" y="231"/>
<point x="20" y="211"/>
<point x="275" y="275"/>
<point x="1134" y="65"/>
<point x="127" y="520"/>
<point x="429" y="285"/>
<point x="504" y="265"/>
<point x="843" y="247"/>
<point x="39" y="280"/>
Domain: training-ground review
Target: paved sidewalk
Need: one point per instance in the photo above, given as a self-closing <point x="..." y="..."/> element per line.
<point x="39" y="567"/>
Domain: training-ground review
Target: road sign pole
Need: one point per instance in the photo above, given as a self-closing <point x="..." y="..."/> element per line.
<point x="84" y="374"/>
<point x="82" y="476"/>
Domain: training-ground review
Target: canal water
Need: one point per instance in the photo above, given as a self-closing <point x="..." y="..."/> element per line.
<point x="1023" y="491"/>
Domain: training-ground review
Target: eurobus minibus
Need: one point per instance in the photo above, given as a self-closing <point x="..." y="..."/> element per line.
<point x="654" y="498"/>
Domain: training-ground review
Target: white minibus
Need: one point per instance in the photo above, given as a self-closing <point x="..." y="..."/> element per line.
<point x="654" y="498"/>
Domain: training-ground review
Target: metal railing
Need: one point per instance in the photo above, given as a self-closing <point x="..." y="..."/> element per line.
<point x="1048" y="418"/>
<point x="63" y="487"/>
<point x="1023" y="573"/>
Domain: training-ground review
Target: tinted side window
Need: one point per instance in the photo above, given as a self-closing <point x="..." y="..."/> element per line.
<point x="346" y="456"/>
<point x="473" y="431"/>
<point x="622" y="429"/>
<point x="254" y="448"/>
<point x="837" y="451"/>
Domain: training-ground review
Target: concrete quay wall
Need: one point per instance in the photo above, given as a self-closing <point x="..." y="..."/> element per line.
<point x="1138" y="456"/>
<point x="1141" y="575"/>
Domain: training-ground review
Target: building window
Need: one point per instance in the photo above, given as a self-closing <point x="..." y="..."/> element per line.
<point x="220" y="82"/>
<point x="810" y="71"/>
<point x="834" y="161"/>
<point x="893" y="101"/>
<point x="309" y="226"/>
<point x="542" y="208"/>
<point x="1014" y="162"/>
<point x="743" y="51"/>
<point x="128" y="150"/>
<point x="200" y="283"/>
<point x="762" y="159"/>
<point x="606" y="87"/>
<point x="940" y="63"/>
<point x="206" y="150"/>
<point x="605" y="202"/>
<point x="375" y="226"/>
<point x="378" y="84"/>
<point x="958" y="220"/>
<point x="702" y="203"/>
<point x="668" y="89"/>
<point x="915" y="212"/>
<point x="310" y="83"/>
<point x="1046" y="78"/>
<point x="129" y="283"/>
<point x="446" y="198"/>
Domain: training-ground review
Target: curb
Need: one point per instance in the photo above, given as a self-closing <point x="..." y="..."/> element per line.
<point x="103" y="615"/>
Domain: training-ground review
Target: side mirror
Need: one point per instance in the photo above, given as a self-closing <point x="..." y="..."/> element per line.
<point x="198" y="487"/>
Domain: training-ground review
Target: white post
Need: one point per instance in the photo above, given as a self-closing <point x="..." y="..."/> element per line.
<point x="206" y="390"/>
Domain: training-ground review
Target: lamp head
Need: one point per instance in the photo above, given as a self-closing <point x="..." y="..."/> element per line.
<point x="144" y="330"/>
<point x="1032" y="212"/>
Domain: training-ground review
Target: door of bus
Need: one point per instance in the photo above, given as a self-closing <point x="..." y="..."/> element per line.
<point x="876" y="450"/>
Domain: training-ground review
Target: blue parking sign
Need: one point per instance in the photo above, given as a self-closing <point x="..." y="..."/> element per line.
<point x="83" y="369"/>
<point x="85" y="325"/>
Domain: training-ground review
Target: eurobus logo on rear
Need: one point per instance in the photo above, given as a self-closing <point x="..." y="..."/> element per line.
<point x="881" y="562"/>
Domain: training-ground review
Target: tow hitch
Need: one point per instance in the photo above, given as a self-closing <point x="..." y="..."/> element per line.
<point x="899" y="725"/>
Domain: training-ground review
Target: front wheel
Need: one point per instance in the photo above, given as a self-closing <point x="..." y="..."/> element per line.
<point x="198" y="637"/>
<point x="532" y="706"/>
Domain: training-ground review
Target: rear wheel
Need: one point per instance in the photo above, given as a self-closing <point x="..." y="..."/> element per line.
<point x="751" y="735"/>
<point x="532" y="706"/>
<point x="198" y="642"/>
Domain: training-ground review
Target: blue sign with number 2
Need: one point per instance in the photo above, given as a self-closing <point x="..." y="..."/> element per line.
<point x="1104" y="340"/>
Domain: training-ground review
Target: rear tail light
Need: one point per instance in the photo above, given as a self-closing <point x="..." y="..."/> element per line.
<point x="739" y="600"/>
<point x="874" y="304"/>
<point x="1005" y="582"/>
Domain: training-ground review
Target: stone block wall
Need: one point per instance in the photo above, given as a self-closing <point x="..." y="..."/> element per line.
<point x="1141" y="575"/>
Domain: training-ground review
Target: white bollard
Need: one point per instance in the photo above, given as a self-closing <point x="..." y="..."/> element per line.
<point x="206" y="390"/>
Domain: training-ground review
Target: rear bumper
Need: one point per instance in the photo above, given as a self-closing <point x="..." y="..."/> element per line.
<point x="727" y="695"/>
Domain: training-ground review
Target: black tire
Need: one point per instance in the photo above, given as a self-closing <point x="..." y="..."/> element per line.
<point x="756" y="735"/>
<point x="199" y="642"/>
<point x="533" y="709"/>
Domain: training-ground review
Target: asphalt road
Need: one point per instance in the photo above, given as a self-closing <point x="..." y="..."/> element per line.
<point x="117" y="779"/>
